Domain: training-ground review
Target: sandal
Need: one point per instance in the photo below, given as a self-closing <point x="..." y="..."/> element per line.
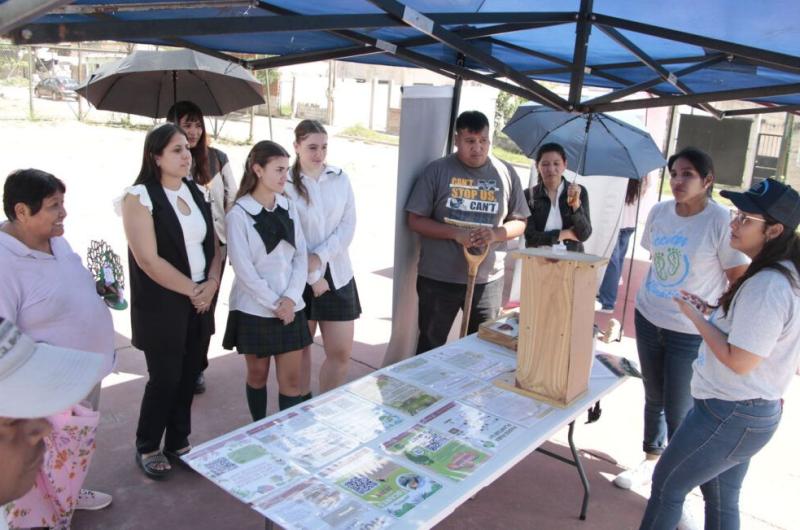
<point x="176" y="455"/>
<point x="153" y="465"/>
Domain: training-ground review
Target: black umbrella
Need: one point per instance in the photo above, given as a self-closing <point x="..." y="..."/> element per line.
<point x="148" y="83"/>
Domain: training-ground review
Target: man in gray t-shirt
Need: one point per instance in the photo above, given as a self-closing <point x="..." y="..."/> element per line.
<point x="464" y="199"/>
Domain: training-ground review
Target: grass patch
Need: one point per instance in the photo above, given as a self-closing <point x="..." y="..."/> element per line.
<point x="15" y="81"/>
<point x="517" y="159"/>
<point x="359" y="131"/>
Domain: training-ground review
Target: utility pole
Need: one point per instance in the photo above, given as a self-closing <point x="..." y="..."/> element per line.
<point x="30" y="83"/>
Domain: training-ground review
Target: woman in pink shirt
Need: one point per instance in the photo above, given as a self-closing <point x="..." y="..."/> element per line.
<point x="51" y="296"/>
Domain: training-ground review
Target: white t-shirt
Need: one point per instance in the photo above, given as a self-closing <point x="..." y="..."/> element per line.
<point x="689" y="253"/>
<point x="764" y="319"/>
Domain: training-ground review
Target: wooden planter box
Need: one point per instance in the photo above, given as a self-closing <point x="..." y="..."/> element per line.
<point x="504" y="330"/>
<point x="554" y="354"/>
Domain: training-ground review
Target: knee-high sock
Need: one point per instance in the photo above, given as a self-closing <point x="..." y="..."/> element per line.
<point x="257" y="401"/>
<point x="285" y="402"/>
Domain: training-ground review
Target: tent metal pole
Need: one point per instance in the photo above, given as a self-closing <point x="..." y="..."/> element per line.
<point x="454" y="107"/>
<point x="582" y="32"/>
<point x="14" y="13"/>
<point x="700" y="97"/>
<point x="644" y="85"/>
<point x="665" y="74"/>
<point x="780" y="61"/>
<point x="435" y="29"/>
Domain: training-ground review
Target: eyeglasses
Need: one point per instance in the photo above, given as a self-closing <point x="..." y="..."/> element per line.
<point x="742" y="218"/>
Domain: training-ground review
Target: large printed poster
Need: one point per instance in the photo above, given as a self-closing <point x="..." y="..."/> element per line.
<point x="381" y="482"/>
<point x="442" y="454"/>
<point x="314" y="505"/>
<point x="310" y="443"/>
<point x="437" y="377"/>
<point x="243" y="467"/>
<point x="391" y="392"/>
<point x="351" y="415"/>
<point x="482" y="430"/>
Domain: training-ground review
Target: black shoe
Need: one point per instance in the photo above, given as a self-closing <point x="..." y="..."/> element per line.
<point x="200" y="384"/>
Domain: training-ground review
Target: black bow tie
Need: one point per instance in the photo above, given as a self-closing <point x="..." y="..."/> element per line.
<point x="274" y="226"/>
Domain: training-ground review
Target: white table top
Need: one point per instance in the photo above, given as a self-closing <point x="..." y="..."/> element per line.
<point x="286" y="463"/>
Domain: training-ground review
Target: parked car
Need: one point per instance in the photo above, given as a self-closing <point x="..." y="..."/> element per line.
<point x="57" y="88"/>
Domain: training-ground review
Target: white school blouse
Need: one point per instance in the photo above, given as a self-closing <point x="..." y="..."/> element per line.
<point x="329" y="222"/>
<point x="263" y="278"/>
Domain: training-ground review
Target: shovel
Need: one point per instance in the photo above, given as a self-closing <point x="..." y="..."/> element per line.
<point x="473" y="262"/>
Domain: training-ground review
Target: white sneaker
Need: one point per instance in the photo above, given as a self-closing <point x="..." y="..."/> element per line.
<point x="598" y="307"/>
<point x="692" y="517"/>
<point x="641" y="475"/>
<point x="92" y="500"/>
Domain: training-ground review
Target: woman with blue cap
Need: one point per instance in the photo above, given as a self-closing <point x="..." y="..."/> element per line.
<point x="750" y="351"/>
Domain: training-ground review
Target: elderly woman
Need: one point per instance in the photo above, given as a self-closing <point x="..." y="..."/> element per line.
<point x="559" y="210"/>
<point x="48" y="292"/>
<point x="174" y="264"/>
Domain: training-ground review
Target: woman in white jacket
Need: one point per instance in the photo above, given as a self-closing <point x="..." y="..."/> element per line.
<point x="327" y="210"/>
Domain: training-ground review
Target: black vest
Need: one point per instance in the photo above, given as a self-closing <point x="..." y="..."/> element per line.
<point x="160" y="316"/>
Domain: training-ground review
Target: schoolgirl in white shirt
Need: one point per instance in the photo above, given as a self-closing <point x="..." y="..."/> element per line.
<point x="326" y="206"/>
<point x="268" y="253"/>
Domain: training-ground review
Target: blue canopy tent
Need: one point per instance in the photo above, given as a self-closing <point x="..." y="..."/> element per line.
<point x="686" y="52"/>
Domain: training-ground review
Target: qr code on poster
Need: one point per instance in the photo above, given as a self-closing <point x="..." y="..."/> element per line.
<point x="434" y="442"/>
<point x="220" y="466"/>
<point x="361" y="485"/>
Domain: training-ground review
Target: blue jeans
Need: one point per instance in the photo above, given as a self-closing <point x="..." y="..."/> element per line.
<point x="610" y="285"/>
<point x="666" y="359"/>
<point x="711" y="449"/>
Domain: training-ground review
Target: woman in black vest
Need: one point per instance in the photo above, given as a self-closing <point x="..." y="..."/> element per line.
<point x="559" y="210"/>
<point x="174" y="262"/>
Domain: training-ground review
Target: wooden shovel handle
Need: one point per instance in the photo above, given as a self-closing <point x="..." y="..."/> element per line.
<point x="473" y="263"/>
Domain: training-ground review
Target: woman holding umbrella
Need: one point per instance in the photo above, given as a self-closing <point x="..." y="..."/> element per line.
<point x="559" y="210"/>
<point x="747" y="359"/>
<point x="212" y="171"/>
<point x="174" y="270"/>
<point x="689" y="244"/>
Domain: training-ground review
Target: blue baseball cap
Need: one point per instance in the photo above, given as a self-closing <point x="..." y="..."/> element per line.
<point x="769" y="197"/>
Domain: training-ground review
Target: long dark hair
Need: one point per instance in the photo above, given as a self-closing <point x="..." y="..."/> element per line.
<point x="201" y="170"/>
<point x="303" y="130"/>
<point x="632" y="193"/>
<point x="155" y="142"/>
<point x="700" y="160"/>
<point x="784" y="247"/>
<point x="260" y="154"/>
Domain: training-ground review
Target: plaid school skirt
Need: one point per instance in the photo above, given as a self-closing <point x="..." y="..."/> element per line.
<point x="341" y="305"/>
<point x="264" y="336"/>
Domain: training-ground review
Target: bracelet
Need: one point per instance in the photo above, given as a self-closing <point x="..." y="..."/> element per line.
<point x="213" y="278"/>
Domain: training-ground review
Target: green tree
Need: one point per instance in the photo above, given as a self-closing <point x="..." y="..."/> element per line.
<point x="505" y="107"/>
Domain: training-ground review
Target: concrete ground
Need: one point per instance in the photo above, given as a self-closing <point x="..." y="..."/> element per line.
<point x="540" y="493"/>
